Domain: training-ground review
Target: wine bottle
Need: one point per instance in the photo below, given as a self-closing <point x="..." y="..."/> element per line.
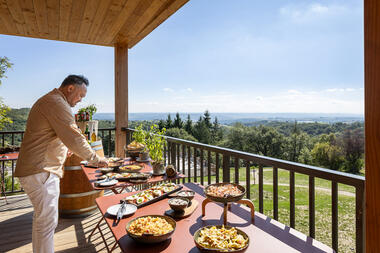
<point x="87" y="133"/>
<point x="93" y="135"/>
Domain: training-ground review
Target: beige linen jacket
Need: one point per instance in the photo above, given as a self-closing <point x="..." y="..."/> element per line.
<point x="50" y="130"/>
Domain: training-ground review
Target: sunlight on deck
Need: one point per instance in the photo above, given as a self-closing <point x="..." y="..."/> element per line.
<point x="71" y="235"/>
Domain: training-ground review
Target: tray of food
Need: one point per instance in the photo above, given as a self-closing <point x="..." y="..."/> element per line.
<point x="224" y="192"/>
<point x="114" y="159"/>
<point x="127" y="176"/>
<point x="151" y="228"/>
<point x="131" y="168"/>
<point x="153" y="194"/>
<point x="220" y="238"/>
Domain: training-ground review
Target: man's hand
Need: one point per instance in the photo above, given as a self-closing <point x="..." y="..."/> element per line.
<point x="103" y="163"/>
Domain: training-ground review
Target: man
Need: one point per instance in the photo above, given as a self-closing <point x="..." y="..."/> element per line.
<point x="50" y="132"/>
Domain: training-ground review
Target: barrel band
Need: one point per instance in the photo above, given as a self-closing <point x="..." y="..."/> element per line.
<point x="72" y="168"/>
<point x="82" y="194"/>
<point x="77" y="210"/>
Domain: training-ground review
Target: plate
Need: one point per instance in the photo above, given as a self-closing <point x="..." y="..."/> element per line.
<point x="129" y="209"/>
<point x="214" y="250"/>
<point x="149" y="238"/>
<point x="143" y="161"/>
<point x="109" y="183"/>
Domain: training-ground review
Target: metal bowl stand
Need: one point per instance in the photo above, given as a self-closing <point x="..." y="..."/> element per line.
<point x="227" y="206"/>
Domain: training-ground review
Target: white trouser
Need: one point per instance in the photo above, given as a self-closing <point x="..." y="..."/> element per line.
<point x="43" y="192"/>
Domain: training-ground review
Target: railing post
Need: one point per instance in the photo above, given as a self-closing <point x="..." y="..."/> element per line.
<point x="360" y="212"/>
<point x="226" y="168"/>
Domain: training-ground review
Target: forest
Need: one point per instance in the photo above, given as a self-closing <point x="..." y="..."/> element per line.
<point x="337" y="146"/>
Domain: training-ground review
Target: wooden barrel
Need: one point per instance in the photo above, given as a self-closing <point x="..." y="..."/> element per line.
<point x="98" y="147"/>
<point x="77" y="198"/>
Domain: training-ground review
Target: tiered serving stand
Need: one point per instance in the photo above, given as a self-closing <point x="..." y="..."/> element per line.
<point x="227" y="201"/>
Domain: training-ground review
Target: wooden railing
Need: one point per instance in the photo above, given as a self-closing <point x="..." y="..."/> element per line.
<point x="14" y="138"/>
<point x="196" y="160"/>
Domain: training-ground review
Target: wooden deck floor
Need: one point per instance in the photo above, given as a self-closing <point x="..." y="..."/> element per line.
<point x="71" y="235"/>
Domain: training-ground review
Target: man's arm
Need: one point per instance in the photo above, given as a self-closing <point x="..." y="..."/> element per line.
<point x="62" y="121"/>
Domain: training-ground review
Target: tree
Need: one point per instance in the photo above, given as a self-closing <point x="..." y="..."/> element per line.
<point x="189" y="125"/>
<point x="161" y="124"/>
<point x="216" y="131"/>
<point x="201" y="131"/>
<point x="180" y="133"/>
<point x="207" y="119"/>
<point x="178" y="123"/>
<point x="297" y="144"/>
<point x="353" y="146"/>
<point x="169" y="123"/>
<point x="5" y="64"/>
<point x="326" y="153"/>
<point x="265" y="141"/>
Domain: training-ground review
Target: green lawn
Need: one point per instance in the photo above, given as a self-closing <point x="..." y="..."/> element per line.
<point x="346" y="204"/>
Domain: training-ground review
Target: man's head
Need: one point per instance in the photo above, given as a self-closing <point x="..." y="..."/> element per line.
<point x="74" y="88"/>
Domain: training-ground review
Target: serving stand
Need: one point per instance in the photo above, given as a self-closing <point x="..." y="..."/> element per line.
<point x="227" y="201"/>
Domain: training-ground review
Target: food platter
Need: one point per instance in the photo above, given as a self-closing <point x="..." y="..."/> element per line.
<point x="131" y="168"/>
<point x="159" y="227"/>
<point x="238" y="192"/>
<point x="220" y="238"/>
<point x="153" y="194"/>
<point x="127" y="176"/>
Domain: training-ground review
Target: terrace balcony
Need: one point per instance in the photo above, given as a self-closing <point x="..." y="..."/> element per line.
<point x="324" y="204"/>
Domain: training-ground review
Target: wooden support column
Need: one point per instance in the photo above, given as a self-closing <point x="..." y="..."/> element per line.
<point x="372" y="123"/>
<point x="121" y="97"/>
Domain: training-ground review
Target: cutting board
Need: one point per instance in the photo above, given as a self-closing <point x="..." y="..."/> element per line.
<point x="186" y="212"/>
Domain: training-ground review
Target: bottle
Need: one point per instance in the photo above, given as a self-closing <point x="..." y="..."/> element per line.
<point x="87" y="133"/>
<point x="93" y="135"/>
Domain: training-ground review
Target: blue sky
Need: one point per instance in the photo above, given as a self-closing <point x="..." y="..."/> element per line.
<point x="221" y="55"/>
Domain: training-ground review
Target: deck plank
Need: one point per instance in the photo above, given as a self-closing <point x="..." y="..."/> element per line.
<point x="70" y="236"/>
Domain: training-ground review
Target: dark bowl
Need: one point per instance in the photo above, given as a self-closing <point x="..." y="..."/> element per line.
<point x="177" y="207"/>
<point x="226" y="199"/>
<point x="106" y="170"/>
<point x="135" y="152"/>
<point x="148" y="238"/>
<point x="213" y="250"/>
<point x="190" y="198"/>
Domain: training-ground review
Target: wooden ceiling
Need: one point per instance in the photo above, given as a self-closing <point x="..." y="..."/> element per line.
<point x="97" y="22"/>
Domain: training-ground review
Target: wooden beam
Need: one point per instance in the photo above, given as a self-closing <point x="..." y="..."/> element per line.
<point x="16" y="12"/>
<point x="87" y="19"/>
<point x="165" y="14"/>
<point x="64" y="18"/>
<point x="121" y="97"/>
<point x="53" y="18"/>
<point x="125" y="13"/>
<point x="372" y="122"/>
<point x="29" y="17"/>
<point x="40" y="9"/>
<point x="76" y="15"/>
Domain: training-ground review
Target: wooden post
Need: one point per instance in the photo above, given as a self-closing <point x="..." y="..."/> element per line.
<point x="372" y="123"/>
<point x="121" y="97"/>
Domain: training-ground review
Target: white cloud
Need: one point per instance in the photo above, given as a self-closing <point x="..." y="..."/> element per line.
<point x="294" y="92"/>
<point x="338" y="100"/>
<point x="189" y="89"/>
<point x="305" y="13"/>
<point x="168" y="90"/>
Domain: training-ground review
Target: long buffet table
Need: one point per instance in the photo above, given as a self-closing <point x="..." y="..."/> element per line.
<point x="266" y="235"/>
<point x="93" y="173"/>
